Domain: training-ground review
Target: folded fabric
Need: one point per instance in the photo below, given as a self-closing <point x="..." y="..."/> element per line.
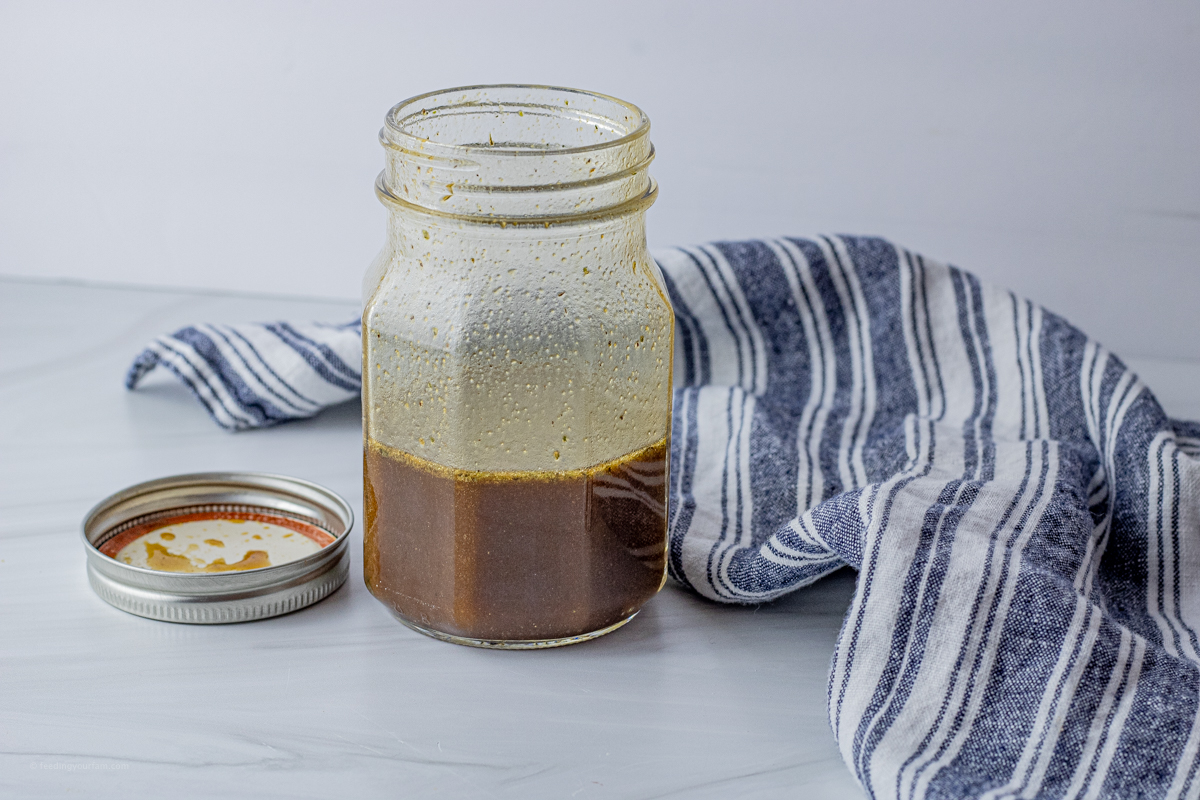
<point x="252" y="375"/>
<point x="1023" y="517"/>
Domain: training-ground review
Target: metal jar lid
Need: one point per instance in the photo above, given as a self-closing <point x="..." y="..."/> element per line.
<point x="208" y="598"/>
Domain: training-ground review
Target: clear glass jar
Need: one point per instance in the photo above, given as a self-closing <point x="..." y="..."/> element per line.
<point x="517" y="344"/>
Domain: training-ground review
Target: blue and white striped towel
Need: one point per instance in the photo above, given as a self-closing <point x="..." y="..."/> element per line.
<point x="1023" y="517"/>
<point x="254" y="375"/>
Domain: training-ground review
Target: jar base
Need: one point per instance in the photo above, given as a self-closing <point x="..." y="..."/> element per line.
<point x="513" y="644"/>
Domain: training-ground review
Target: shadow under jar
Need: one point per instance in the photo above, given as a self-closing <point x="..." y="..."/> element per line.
<point x="517" y="344"/>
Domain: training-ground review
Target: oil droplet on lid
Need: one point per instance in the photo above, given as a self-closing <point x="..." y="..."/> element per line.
<point x="212" y="542"/>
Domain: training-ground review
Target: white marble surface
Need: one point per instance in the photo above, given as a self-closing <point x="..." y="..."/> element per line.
<point x="690" y="700"/>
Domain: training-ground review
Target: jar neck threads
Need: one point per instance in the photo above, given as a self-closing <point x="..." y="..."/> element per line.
<point x="522" y="155"/>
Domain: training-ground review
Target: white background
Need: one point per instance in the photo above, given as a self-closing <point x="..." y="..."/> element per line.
<point x="1050" y="147"/>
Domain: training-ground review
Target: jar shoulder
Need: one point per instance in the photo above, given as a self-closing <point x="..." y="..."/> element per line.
<point x="418" y="300"/>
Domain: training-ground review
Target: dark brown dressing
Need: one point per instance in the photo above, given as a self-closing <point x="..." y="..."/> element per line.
<point x="515" y="555"/>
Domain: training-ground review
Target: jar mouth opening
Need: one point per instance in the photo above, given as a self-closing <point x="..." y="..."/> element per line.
<point x="513" y="120"/>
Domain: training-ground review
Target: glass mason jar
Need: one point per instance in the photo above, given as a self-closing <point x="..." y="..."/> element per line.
<point x="517" y="344"/>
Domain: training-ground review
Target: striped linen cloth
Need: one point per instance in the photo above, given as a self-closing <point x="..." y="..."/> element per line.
<point x="253" y="375"/>
<point x="1023" y="516"/>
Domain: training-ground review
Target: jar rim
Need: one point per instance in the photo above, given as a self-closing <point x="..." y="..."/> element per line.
<point x="400" y="138"/>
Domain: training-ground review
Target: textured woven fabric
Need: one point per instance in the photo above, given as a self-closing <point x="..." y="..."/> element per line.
<point x="1023" y="517"/>
<point x="253" y="375"/>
